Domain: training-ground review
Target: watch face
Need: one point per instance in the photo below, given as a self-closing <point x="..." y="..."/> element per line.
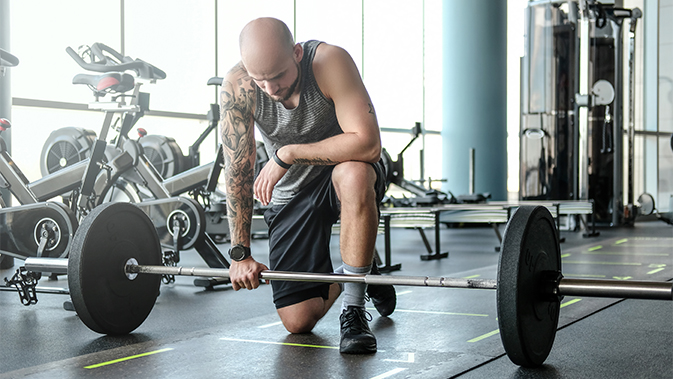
<point x="237" y="253"/>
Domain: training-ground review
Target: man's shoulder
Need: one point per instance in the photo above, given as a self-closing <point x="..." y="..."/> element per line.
<point x="238" y="88"/>
<point x="329" y="65"/>
<point x="237" y="74"/>
<point x="327" y="54"/>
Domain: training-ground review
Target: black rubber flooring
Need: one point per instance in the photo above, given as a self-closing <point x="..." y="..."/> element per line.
<point x="434" y="333"/>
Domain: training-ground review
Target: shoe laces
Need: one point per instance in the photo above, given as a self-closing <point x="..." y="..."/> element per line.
<point x="356" y="317"/>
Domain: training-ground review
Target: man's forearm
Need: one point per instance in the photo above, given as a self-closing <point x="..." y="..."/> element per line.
<point x="237" y="108"/>
<point x="333" y="150"/>
<point x="239" y="201"/>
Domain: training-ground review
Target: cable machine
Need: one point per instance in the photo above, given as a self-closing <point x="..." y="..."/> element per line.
<point x="572" y="106"/>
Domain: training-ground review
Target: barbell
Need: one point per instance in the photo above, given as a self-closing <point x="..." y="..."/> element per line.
<point x="116" y="246"/>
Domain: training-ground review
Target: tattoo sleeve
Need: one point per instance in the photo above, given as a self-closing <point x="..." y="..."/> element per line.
<point x="237" y="111"/>
<point x="315" y="161"/>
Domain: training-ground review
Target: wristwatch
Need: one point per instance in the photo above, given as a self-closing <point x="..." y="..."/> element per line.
<point x="239" y="252"/>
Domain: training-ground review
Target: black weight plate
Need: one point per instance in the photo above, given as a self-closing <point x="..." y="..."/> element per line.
<point x="105" y="299"/>
<point x="527" y="314"/>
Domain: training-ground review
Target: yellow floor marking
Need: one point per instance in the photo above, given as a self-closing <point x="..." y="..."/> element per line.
<point x="570" y="302"/>
<point x="279" y="343"/>
<point x="621" y="241"/>
<point x="484" y="336"/>
<point x="604" y="263"/>
<point x="595" y="248"/>
<point x="472" y="277"/>
<point x="477" y="339"/>
<point x="565" y="255"/>
<point x="656" y="271"/>
<point x="127" y="358"/>
<point x="627" y="253"/>
<point x="641" y="245"/>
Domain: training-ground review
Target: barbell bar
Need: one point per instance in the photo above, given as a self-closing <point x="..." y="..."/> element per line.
<point x="398" y="280"/>
<point x="116" y="245"/>
<point x="650" y="290"/>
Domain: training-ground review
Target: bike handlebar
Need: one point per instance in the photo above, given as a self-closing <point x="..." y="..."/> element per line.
<point x="102" y="63"/>
<point x="7" y="59"/>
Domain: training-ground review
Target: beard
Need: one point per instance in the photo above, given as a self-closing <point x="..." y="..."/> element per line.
<point x="290" y="90"/>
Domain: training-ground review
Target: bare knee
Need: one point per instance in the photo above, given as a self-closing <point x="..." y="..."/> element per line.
<point x="302" y="317"/>
<point x="299" y="325"/>
<point x="354" y="180"/>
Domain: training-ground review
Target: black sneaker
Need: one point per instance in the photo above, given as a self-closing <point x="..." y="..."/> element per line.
<point x="383" y="296"/>
<point x="356" y="337"/>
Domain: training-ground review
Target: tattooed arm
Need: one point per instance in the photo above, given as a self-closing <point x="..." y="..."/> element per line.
<point x="237" y="132"/>
<point x="340" y="81"/>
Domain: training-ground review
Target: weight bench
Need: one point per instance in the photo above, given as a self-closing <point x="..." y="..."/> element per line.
<point x="491" y="213"/>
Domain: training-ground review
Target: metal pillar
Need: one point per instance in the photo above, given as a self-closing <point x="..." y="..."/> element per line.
<point x="5" y="86"/>
<point x="474" y="95"/>
<point x="5" y="109"/>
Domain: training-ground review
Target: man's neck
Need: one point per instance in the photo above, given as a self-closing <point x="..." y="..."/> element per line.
<point x="293" y="101"/>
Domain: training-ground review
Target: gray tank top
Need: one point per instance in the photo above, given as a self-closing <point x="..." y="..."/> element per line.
<point x="313" y="120"/>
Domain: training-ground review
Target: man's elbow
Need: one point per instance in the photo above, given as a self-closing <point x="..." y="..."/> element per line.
<point x="373" y="154"/>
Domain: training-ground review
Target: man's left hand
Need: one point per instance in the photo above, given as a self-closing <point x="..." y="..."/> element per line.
<point x="268" y="176"/>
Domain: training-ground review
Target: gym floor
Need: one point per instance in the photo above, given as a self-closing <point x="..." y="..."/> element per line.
<point x="434" y="332"/>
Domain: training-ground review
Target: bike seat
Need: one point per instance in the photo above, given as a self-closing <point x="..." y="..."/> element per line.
<point x="108" y="82"/>
<point x="215" y="81"/>
<point x="4" y="124"/>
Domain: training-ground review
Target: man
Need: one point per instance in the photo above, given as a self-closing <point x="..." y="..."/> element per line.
<point x="318" y="123"/>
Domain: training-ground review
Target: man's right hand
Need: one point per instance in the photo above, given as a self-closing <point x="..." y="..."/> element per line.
<point x="245" y="274"/>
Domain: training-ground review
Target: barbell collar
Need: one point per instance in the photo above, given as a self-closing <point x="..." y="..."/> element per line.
<point x="418" y="281"/>
<point x="622" y="289"/>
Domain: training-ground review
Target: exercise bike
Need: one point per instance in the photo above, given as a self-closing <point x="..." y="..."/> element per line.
<point x="43" y="228"/>
<point x="199" y="182"/>
<point x="68" y="145"/>
<point x="178" y="220"/>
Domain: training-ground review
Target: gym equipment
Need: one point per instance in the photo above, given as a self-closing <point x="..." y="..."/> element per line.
<point x="200" y="181"/>
<point x="7" y="59"/>
<point x="115" y="248"/>
<point x="69" y="145"/>
<point x="65" y="147"/>
<point x="645" y="206"/>
<point x="163" y="152"/>
<point x="577" y="118"/>
<point x="395" y="175"/>
<point x="45" y="229"/>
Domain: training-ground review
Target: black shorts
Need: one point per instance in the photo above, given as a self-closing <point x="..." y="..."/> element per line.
<point x="300" y="233"/>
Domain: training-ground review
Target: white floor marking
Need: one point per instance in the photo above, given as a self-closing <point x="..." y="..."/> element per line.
<point x="389" y="373"/>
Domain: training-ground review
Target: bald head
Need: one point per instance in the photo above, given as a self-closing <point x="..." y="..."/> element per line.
<point x="271" y="57"/>
<point x="265" y="37"/>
